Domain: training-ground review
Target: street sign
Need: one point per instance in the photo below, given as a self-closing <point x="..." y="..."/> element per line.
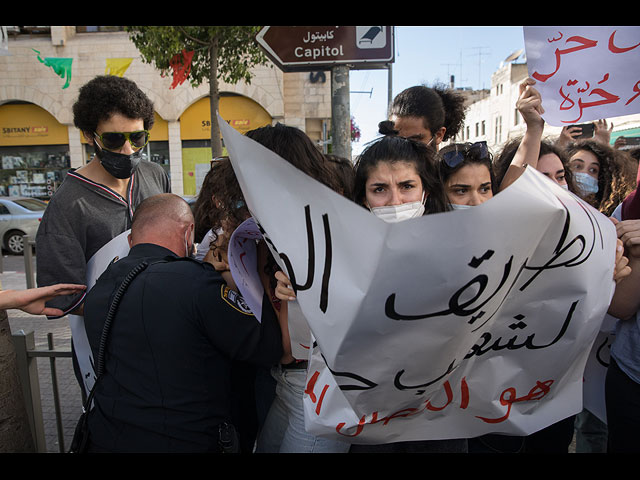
<point x="313" y="48"/>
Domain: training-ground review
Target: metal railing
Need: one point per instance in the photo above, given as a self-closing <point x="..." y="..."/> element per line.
<point x="26" y="359"/>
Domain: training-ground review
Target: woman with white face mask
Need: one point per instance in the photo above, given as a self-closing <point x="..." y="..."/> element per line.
<point x="603" y="176"/>
<point x="397" y="179"/>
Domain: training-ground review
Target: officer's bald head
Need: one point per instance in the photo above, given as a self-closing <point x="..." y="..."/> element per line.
<point x="163" y="220"/>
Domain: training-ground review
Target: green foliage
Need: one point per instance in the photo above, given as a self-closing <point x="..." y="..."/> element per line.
<point x="238" y="51"/>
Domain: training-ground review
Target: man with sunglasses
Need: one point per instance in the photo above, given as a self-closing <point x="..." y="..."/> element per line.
<point x="96" y="202"/>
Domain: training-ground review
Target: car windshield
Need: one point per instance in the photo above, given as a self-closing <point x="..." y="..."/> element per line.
<point x="31" y="204"/>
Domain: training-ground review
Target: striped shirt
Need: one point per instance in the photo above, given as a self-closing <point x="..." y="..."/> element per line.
<point x="83" y="216"/>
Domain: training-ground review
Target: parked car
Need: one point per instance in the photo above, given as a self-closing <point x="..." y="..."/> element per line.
<point x="19" y="216"/>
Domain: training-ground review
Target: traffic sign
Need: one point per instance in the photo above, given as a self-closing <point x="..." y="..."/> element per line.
<point x="313" y="48"/>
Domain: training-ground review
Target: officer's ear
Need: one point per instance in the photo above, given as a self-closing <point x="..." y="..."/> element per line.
<point x="129" y="240"/>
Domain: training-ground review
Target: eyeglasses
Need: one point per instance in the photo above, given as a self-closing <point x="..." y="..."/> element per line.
<point x="454" y="155"/>
<point x="115" y="140"/>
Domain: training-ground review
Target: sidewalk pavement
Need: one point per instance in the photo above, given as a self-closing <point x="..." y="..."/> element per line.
<point x="14" y="277"/>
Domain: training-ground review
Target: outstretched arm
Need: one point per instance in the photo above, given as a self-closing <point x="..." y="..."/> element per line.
<point x="33" y="300"/>
<point x="529" y="105"/>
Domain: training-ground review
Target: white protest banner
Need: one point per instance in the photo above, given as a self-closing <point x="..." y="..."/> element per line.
<point x="596" y="369"/>
<point x="115" y="249"/>
<point x="450" y="325"/>
<point x="585" y="73"/>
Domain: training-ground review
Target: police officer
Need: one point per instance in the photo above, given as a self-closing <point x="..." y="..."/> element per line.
<point x="177" y="330"/>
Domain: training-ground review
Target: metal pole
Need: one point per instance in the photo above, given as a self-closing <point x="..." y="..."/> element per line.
<point x="56" y="396"/>
<point x="340" y="112"/>
<point x="27" y="252"/>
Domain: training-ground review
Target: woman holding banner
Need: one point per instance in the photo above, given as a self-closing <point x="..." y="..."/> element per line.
<point x="279" y="393"/>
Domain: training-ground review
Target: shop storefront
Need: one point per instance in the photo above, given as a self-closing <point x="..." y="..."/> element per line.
<point x="240" y="112"/>
<point x="34" y="151"/>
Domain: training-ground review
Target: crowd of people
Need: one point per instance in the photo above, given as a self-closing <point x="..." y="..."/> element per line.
<point x="182" y="365"/>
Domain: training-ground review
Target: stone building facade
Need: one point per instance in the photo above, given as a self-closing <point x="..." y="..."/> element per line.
<point x="38" y="138"/>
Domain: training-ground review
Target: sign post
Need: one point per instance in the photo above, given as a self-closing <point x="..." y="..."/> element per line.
<point x="335" y="48"/>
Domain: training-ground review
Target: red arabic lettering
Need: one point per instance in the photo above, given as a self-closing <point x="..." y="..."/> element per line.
<point x="585" y="43"/>
<point x="409" y="411"/>
<point x="636" y="88"/>
<point x="551" y="40"/>
<point x="614" y="49"/>
<point x="310" y="391"/>
<point x="606" y="98"/>
<point x="536" y="393"/>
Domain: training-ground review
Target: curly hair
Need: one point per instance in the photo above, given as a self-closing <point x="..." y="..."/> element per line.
<point x="502" y="161"/>
<point x="616" y="178"/>
<point x="393" y="149"/>
<point x="438" y="106"/>
<point x="227" y="209"/>
<point x="106" y="95"/>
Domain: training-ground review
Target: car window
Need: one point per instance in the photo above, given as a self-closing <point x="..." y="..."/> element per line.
<point x="3" y="210"/>
<point x="31" y="204"/>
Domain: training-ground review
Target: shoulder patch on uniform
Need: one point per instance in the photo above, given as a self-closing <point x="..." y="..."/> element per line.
<point x="235" y="300"/>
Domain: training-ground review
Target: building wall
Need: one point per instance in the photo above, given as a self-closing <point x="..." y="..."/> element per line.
<point x="497" y="108"/>
<point x="289" y="98"/>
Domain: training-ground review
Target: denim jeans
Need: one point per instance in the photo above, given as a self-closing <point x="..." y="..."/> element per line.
<point x="283" y="430"/>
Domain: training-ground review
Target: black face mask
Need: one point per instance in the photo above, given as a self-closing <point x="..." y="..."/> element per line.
<point x="118" y="164"/>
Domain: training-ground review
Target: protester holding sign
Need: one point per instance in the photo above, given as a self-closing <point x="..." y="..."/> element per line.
<point x="283" y="429"/>
<point x="397" y="178"/>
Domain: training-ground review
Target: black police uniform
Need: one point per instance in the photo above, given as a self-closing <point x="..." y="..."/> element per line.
<point x="166" y="382"/>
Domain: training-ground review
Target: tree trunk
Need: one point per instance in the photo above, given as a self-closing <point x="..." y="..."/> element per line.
<point x="216" y="143"/>
<point x="15" y="433"/>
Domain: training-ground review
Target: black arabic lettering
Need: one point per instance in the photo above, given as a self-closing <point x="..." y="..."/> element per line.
<point x="364" y="383"/>
<point x="311" y="260"/>
<point x="486" y="345"/>
<point x="455" y="307"/>
<point x="561" y="247"/>
<point x="400" y="386"/>
<point x="600" y="356"/>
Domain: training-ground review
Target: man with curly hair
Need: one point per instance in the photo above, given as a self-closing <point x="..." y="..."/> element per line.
<point x="96" y="202"/>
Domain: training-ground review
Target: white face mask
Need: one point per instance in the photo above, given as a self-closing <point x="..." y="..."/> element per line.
<point x="587" y="184"/>
<point x="399" y="213"/>
<point x="455" y="206"/>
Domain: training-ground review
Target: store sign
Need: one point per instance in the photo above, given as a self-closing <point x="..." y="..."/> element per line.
<point x="30" y="125"/>
<point x="24" y="131"/>
<point x="311" y="47"/>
